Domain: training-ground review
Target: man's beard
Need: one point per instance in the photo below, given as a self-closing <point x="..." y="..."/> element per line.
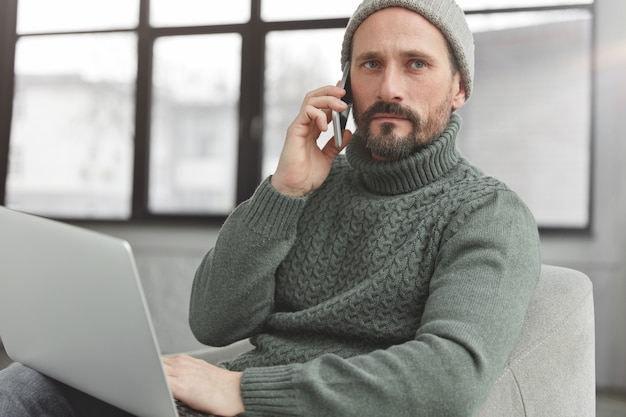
<point x="389" y="145"/>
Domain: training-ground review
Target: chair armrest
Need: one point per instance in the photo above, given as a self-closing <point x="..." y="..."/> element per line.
<point x="215" y="355"/>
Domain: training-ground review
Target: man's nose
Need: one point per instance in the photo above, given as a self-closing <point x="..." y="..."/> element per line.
<point x="390" y="87"/>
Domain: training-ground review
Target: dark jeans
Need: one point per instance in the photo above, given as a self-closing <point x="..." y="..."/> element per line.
<point x="27" y="393"/>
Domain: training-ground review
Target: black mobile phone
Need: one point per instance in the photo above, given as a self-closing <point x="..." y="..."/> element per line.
<point x="341" y="118"/>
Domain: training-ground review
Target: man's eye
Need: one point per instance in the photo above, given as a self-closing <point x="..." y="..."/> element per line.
<point x="370" y="65"/>
<point x="418" y="64"/>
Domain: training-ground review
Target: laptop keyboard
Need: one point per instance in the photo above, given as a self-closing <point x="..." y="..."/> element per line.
<point x="186" y="411"/>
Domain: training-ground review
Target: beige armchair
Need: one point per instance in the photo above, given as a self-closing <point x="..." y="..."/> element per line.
<point x="551" y="371"/>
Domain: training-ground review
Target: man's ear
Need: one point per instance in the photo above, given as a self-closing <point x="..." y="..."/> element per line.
<point x="458" y="99"/>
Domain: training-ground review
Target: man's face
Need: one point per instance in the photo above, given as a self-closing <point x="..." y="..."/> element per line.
<point x="402" y="82"/>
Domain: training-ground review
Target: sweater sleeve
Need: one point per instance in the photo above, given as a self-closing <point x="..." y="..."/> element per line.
<point x="485" y="272"/>
<point x="233" y="289"/>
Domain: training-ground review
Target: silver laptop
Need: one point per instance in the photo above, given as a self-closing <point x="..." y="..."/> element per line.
<point x="72" y="307"/>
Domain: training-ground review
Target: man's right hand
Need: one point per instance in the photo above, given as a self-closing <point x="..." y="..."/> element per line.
<point x="303" y="166"/>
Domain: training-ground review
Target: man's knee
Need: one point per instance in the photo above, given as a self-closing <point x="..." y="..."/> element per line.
<point x="25" y="392"/>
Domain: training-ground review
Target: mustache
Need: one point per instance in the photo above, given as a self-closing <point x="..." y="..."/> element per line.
<point x="390" y="108"/>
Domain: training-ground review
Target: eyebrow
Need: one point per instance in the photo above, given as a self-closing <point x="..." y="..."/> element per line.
<point x="411" y="53"/>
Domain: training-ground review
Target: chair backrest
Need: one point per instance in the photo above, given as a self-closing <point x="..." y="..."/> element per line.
<point x="551" y="371"/>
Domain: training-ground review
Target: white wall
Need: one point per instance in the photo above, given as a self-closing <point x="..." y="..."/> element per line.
<point x="167" y="256"/>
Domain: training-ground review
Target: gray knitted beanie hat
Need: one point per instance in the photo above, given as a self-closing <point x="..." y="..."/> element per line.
<point x="444" y="14"/>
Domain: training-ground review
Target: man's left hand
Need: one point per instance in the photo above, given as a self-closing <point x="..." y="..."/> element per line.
<point x="204" y="386"/>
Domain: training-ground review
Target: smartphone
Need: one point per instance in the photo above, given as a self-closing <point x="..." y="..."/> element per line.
<point x="341" y="118"/>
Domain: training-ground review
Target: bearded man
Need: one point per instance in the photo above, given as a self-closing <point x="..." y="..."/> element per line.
<point x="391" y="279"/>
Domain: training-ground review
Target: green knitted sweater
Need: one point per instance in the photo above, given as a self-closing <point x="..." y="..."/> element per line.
<point x="395" y="289"/>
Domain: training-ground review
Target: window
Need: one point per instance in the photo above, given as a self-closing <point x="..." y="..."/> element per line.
<point x="529" y="121"/>
<point x="43" y="16"/>
<point x="289" y="74"/>
<point x="193" y="152"/>
<point x="71" y="142"/>
<point x="285" y="10"/>
<point x="174" y="13"/>
<point x="170" y="109"/>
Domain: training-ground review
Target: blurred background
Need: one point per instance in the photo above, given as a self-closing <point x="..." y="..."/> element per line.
<point x="151" y="120"/>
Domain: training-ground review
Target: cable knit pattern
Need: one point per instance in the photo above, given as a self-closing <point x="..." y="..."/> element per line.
<point x="413" y="258"/>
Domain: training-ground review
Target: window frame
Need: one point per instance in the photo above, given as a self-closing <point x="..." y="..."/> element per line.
<point x="251" y="113"/>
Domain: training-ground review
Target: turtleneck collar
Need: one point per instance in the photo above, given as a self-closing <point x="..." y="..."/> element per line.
<point x="411" y="173"/>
